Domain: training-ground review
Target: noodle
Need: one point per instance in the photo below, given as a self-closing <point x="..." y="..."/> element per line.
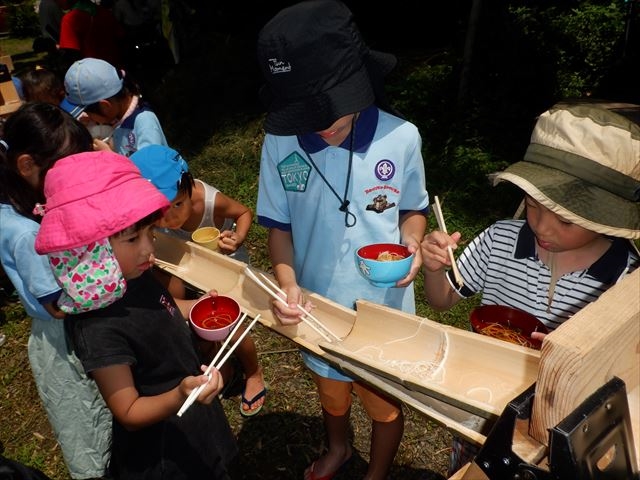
<point x="507" y="334"/>
<point x="218" y="320"/>
<point x="388" y="256"/>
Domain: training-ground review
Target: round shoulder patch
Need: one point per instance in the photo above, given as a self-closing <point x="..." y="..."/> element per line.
<point x="385" y="170"/>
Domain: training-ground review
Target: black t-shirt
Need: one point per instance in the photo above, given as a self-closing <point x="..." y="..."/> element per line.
<point x="146" y="331"/>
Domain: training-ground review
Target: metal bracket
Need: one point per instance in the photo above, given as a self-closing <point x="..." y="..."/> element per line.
<point x="594" y="442"/>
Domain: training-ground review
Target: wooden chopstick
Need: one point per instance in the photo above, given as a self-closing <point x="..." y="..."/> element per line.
<point x="440" y="219"/>
<point x="162" y="263"/>
<point x="307" y="318"/>
<point x="196" y="391"/>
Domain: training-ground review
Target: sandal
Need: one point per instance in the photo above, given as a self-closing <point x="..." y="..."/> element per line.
<point x="251" y="401"/>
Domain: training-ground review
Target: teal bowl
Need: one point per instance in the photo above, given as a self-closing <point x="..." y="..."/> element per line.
<point x="383" y="264"/>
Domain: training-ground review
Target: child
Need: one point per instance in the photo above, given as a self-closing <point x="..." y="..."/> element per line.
<point x="35" y="136"/>
<point x="328" y="152"/>
<point x="89" y="29"/>
<point x="580" y="177"/>
<point x="195" y="204"/>
<point x="42" y="85"/>
<point x="126" y="329"/>
<point x="100" y="90"/>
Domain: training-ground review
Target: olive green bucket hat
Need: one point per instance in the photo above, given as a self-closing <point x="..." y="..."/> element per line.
<point x="583" y="163"/>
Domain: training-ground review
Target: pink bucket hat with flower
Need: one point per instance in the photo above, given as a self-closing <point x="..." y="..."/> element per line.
<point x="91" y="196"/>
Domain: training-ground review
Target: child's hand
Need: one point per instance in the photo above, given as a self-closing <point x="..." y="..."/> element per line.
<point x="414" y="247"/>
<point x="229" y="242"/>
<point x="434" y="250"/>
<point x="213" y="385"/>
<point x="291" y="314"/>
<point x="538" y="336"/>
<point x="101" y="146"/>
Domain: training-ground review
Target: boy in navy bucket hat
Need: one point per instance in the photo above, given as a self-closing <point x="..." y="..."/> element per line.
<point x="332" y="147"/>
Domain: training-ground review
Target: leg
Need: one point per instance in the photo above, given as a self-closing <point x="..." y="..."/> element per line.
<point x="336" y="396"/>
<point x="248" y="356"/>
<point x="386" y="430"/>
<point x="385" y="440"/>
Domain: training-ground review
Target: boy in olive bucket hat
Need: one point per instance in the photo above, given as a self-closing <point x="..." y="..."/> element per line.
<point x="581" y="179"/>
<point x="337" y="172"/>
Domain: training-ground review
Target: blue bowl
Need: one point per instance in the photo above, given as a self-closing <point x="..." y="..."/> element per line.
<point x="383" y="264"/>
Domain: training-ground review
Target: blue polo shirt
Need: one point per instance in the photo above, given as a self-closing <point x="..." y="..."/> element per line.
<point x="387" y="180"/>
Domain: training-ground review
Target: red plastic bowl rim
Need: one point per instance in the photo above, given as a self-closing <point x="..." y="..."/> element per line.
<point x="371" y="252"/>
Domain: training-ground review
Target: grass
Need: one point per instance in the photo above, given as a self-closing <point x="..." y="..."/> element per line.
<point x="213" y="118"/>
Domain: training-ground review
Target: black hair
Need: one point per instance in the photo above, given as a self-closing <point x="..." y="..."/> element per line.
<point x="45" y="133"/>
<point x="186" y="184"/>
<point x="42" y="85"/>
<point x="150" y="219"/>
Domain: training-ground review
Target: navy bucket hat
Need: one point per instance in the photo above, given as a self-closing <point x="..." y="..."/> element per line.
<point x="317" y="67"/>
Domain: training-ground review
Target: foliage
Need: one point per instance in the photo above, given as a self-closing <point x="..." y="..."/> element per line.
<point x="23" y="21"/>
<point x="581" y="43"/>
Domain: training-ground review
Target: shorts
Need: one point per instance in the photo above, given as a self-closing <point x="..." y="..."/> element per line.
<point x="335" y="398"/>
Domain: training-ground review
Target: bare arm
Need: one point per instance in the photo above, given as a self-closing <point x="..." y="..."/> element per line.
<point x="227" y="207"/>
<point x="435" y="260"/>
<point x="134" y="411"/>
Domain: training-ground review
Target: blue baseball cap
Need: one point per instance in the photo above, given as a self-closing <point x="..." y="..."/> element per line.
<point x="88" y="81"/>
<point x="162" y="166"/>
<point x="70" y="108"/>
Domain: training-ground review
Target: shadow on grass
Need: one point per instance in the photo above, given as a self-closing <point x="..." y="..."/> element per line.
<point x="280" y="446"/>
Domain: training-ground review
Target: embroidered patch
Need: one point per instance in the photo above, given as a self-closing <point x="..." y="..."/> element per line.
<point x="385" y="170"/>
<point x="380" y="204"/>
<point x="294" y="173"/>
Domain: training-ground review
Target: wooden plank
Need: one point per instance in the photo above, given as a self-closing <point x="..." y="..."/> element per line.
<point x="470" y="371"/>
<point x="599" y="342"/>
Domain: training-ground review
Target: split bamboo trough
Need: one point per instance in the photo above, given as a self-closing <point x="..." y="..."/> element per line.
<point x="457" y="378"/>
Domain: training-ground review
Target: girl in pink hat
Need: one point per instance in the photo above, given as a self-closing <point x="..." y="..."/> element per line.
<point x="35" y="136"/>
<point x="125" y="327"/>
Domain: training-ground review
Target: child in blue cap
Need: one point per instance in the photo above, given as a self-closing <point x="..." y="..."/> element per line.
<point x="106" y="96"/>
<point x="196" y="204"/>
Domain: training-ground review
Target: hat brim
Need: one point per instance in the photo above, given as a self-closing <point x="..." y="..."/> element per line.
<point x="575" y="200"/>
<point x="318" y="112"/>
<point x="85" y="221"/>
<point x="71" y="108"/>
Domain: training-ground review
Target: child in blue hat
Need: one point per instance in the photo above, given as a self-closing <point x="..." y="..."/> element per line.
<point x="106" y="96"/>
<point x="196" y="204"/>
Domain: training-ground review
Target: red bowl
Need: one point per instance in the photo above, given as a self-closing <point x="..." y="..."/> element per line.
<point x="212" y="318"/>
<point x="521" y="324"/>
<point x="383" y="273"/>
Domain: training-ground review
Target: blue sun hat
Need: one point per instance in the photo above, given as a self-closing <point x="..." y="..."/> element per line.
<point x="163" y="167"/>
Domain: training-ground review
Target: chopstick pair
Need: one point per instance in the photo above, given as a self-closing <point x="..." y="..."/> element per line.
<point x="309" y="319"/>
<point x="440" y="219"/>
<point x="196" y="391"/>
<point x="162" y="263"/>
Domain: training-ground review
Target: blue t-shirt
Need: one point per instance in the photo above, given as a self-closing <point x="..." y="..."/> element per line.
<point x="29" y="272"/>
<point x="138" y="130"/>
<point x="387" y="180"/>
